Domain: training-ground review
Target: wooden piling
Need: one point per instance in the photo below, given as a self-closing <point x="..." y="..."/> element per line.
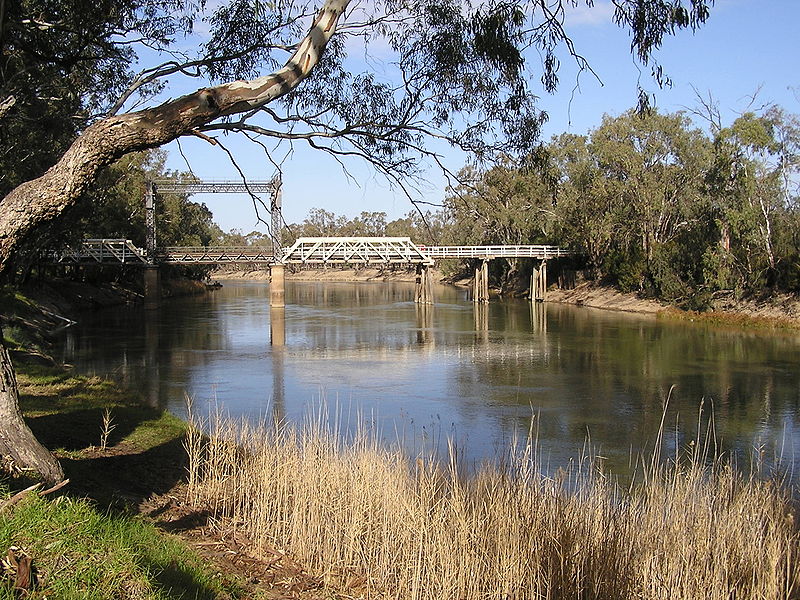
<point x="423" y="293"/>
<point x="480" y="284"/>
<point x="537" y="292"/>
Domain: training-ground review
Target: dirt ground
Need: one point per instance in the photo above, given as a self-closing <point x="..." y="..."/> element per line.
<point x="589" y="294"/>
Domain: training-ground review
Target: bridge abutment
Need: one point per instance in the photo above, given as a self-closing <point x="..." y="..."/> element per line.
<point x="277" y="285"/>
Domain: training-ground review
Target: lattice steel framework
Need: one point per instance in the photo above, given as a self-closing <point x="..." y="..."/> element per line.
<point x="334" y="250"/>
<point x="212" y="255"/>
<point x="103" y="251"/>
<point x="169" y="186"/>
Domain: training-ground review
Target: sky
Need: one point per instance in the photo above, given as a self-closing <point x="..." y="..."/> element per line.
<point x="747" y="46"/>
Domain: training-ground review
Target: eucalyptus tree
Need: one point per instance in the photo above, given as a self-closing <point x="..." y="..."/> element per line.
<point x="654" y="167"/>
<point x="753" y="183"/>
<point x="586" y="211"/>
<point x="463" y="75"/>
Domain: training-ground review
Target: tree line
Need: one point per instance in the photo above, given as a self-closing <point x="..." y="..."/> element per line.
<point x="653" y="203"/>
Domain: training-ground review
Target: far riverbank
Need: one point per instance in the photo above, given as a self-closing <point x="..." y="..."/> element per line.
<point x="781" y="311"/>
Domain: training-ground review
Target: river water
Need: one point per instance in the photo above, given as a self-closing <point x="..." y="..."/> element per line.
<point x="479" y="376"/>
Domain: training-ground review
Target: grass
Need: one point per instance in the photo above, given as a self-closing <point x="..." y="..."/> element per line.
<point x="376" y="525"/>
<point x="67" y="412"/>
<point x="739" y="320"/>
<point x="82" y="553"/>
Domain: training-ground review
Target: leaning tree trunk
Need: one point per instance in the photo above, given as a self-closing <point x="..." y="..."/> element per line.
<point x="19" y="448"/>
<point x="41" y="201"/>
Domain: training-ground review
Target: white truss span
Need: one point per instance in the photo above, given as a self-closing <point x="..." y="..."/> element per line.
<point x="356" y="250"/>
<point x="102" y="251"/>
<point x="488" y="252"/>
<point x="213" y="255"/>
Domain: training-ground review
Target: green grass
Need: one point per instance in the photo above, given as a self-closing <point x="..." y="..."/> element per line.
<point x="82" y="553"/>
<point x="66" y="412"/>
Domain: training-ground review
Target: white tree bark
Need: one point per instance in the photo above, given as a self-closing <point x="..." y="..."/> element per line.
<point x="42" y="200"/>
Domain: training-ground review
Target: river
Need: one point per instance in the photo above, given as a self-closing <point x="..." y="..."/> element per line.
<point x="479" y="376"/>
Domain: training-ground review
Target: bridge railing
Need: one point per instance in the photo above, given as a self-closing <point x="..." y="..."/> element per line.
<point x="216" y="254"/>
<point x="518" y="251"/>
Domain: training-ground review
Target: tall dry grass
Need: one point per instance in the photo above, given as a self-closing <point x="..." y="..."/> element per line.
<point x="412" y="530"/>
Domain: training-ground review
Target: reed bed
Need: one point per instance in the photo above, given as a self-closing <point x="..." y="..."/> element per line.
<point x="364" y="516"/>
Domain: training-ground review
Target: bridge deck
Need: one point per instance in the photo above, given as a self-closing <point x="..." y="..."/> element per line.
<point x="334" y="250"/>
<point x="487" y="252"/>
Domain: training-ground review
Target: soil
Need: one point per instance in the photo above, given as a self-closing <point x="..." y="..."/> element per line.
<point x="597" y="296"/>
<point x="781" y="311"/>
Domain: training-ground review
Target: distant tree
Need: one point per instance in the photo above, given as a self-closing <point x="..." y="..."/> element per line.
<point x="587" y="219"/>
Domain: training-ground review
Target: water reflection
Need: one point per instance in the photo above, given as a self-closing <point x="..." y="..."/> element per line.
<point x="476" y="372"/>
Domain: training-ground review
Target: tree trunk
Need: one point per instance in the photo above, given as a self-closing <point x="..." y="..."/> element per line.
<point x="19" y="448"/>
<point x="41" y="201"/>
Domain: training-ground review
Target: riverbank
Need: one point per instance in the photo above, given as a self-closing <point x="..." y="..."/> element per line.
<point x="770" y="312"/>
<point x="376" y="524"/>
<point x="91" y="539"/>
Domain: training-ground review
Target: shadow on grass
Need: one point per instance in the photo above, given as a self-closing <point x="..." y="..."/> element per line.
<point x="124" y="471"/>
<point x="80" y="429"/>
<point x="171" y="577"/>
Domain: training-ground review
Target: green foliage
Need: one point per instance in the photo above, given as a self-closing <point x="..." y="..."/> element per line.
<point x="65" y="62"/>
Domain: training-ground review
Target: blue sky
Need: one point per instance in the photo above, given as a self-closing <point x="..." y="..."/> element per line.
<point x="746" y="46"/>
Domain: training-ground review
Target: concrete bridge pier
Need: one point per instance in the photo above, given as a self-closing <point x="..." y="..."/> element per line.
<point x="538" y="287"/>
<point x="423" y="293"/>
<point x="152" y="286"/>
<point x="277" y="285"/>
<point x="480" y="284"/>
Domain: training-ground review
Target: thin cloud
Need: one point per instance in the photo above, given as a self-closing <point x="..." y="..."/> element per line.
<point x="602" y="13"/>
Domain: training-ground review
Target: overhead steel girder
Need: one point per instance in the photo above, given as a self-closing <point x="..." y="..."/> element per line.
<point x="356" y="250"/>
<point x="217" y="187"/>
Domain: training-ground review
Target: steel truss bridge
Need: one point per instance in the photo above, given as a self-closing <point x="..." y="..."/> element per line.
<point x="305" y="251"/>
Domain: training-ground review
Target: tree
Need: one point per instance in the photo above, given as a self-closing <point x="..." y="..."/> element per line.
<point x="586" y="210"/>
<point x="653" y="165"/>
<point x="463" y="76"/>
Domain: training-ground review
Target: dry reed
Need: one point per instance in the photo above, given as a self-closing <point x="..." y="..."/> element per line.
<point x="355" y="510"/>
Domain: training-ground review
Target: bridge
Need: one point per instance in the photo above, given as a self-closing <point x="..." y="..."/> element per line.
<point x="305" y="251"/>
<point x="319" y="251"/>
